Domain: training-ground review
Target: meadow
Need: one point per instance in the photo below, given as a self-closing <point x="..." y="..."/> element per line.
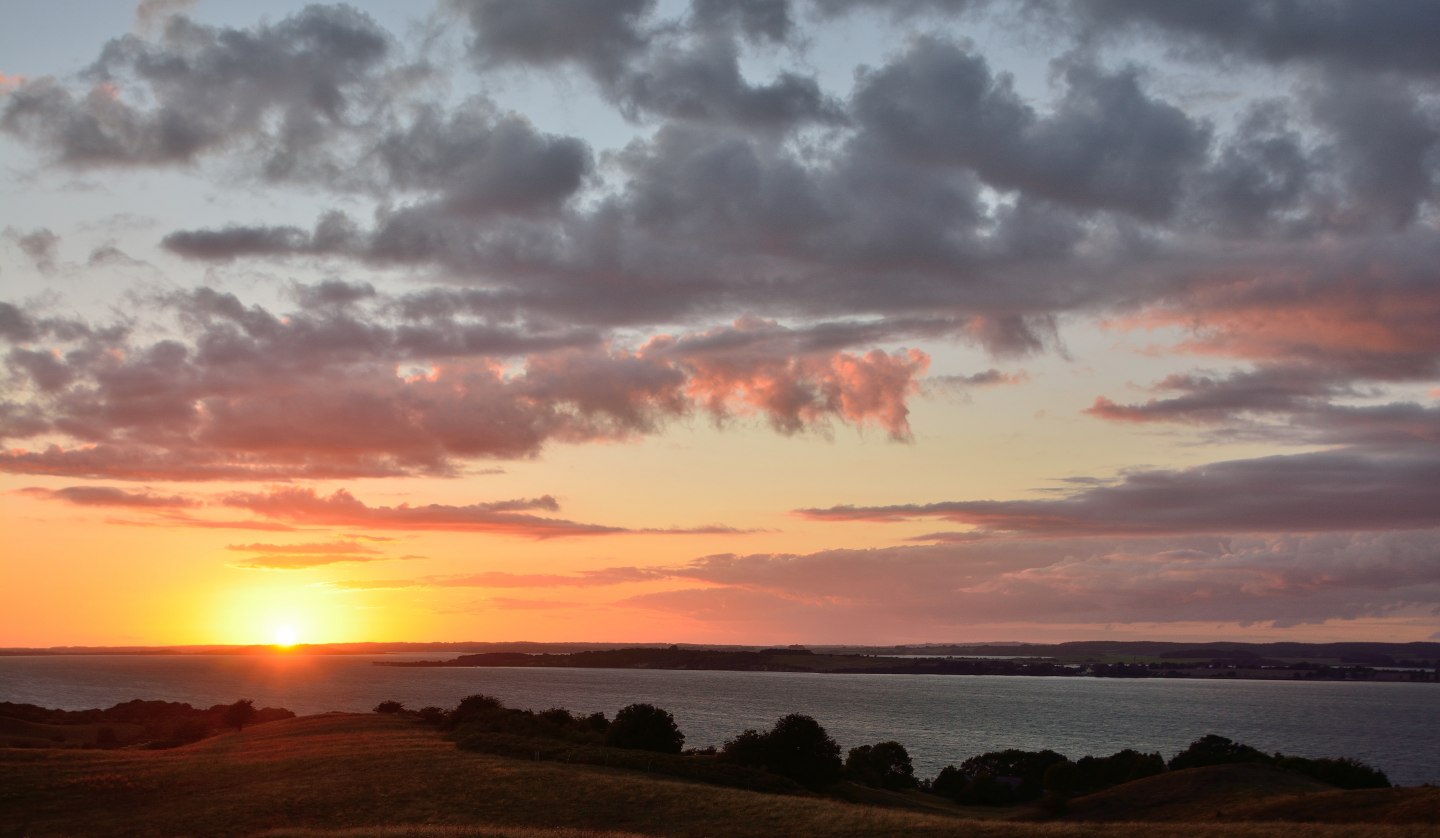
<point x="382" y="775"/>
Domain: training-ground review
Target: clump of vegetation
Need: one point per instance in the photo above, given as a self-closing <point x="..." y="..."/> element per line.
<point x="146" y="724"/>
<point x="798" y="753"/>
<point x="797" y="747"/>
<point x="996" y="778"/>
<point x="643" y="727"/>
<point x="884" y="765"/>
<point x="1343" y="773"/>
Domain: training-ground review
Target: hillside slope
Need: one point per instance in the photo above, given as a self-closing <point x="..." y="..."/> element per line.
<point x="347" y="774"/>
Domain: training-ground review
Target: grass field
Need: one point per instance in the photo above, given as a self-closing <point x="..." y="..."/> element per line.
<point x="372" y="775"/>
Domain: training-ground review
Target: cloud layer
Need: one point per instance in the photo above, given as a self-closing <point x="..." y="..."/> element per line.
<point x="770" y="241"/>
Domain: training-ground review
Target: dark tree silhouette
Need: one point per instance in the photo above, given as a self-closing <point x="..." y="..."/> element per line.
<point x="1215" y="750"/>
<point x="389" y="707"/>
<point x="475" y="707"/>
<point x="645" y="727"/>
<point x="796" y="747"/>
<point x="240" y="713"/>
<point x="884" y="765"/>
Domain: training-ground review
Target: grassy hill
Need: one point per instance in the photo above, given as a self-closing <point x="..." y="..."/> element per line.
<point x="362" y="775"/>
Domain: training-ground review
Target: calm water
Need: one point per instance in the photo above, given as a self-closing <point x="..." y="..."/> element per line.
<point x="939" y="719"/>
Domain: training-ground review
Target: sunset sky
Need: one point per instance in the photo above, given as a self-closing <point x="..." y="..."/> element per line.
<point x="821" y="321"/>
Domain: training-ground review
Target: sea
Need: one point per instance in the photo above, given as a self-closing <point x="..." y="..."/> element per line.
<point x="940" y="719"/>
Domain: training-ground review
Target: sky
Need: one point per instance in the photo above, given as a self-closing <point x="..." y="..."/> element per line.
<point x="752" y="322"/>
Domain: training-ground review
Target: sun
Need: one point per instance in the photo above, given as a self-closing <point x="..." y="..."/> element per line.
<point x="285" y="636"/>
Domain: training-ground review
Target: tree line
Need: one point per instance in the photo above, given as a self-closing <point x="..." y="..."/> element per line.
<point x="797" y="753"/>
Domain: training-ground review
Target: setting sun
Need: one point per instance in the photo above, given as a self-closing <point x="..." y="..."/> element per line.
<point x="285" y="636"/>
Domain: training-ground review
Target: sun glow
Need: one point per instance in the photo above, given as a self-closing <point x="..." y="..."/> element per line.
<point x="285" y="636"/>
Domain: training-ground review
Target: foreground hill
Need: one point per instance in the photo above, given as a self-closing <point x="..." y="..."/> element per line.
<point x="345" y="774"/>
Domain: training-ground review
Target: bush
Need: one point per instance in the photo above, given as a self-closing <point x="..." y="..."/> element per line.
<point x="240" y="713"/>
<point x="1345" y="773"/>
<point x="645" y="727"/>
<point x="796" y="747"/>
<point x="432" y="715"/>
<point x="1215" y="750"/>
<point x="1096" y="773"/>
<point x="885" y="765"/>
<point x="389" y="707"/>
<point x="949" y="783"/>
<point x="474" y="708"/>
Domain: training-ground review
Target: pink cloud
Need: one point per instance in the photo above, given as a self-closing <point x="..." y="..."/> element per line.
<point x="112" y="497"/>
<point x="506" y="517"/>
<point x="254" y="396"/>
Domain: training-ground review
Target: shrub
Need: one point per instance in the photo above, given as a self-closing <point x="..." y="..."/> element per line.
<point x="796" y="747"/>
<point x="432" y="715"/>
<point x="949" y="783"/>
<point x="1345" y="773"/>
<point x="240" y="713"/>
<point x="1096" y="773"/>
<point x="389" y="707"/>
<point x="645" y="727"/>
<point x="884" y="765"/>
<point x="474" y="708"/>
<point x="1215" y="750"/>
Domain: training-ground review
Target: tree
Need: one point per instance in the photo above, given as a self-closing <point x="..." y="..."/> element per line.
<point x="1001" y="777"/>
<point x="240" y="713"/>
<point x="1097" y="773"/>
<point x="796" y="747"/>
<point x="389" y="707"/>
<point x="645" y="727"/>
<point x="949" y="783"/>
<point x="475" y="707"/>
<point x="884" y="765"/>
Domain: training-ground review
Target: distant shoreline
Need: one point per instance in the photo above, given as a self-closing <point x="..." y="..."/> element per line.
<point x="803" y="660"/>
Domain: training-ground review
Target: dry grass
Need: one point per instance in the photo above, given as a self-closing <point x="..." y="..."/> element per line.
<point x="370" y="775"/>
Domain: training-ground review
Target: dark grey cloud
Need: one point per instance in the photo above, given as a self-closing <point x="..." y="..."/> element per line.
<point x="703" y="83"/>
<point x="681" y="69"/>
<point x="481" y="162"/>
<point x="759" y="20"/>
<point x="280" y="90"/>
<point x="1352" y="489"/>
<point x="1107" y="144"/>
<point x="601" y="37"/>
<point x="1352" y="34"/>
<point x="1386" y="144"/>
<point x="1282" y="580"/>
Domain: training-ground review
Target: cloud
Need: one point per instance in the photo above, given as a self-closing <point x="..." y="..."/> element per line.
<point x="1108" y="144"/>
<point x="112" y="497"/>
<point x="360" y="384"/>
<point x="1352" y="34"/>
<point x="507" y="517"/>
<point x="603" y="577"/>
<point x="282" y="89"/>
<point x="601" y="37"/>
<point x="42" y="246"/>
<point x="687" y="69"/>
<point x="1353" y="490"/>
<point x="1280" y="580"/>
<point x="307" y="562"/>
<point x="150" y="12"/>
<point x="306" y="555"/>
